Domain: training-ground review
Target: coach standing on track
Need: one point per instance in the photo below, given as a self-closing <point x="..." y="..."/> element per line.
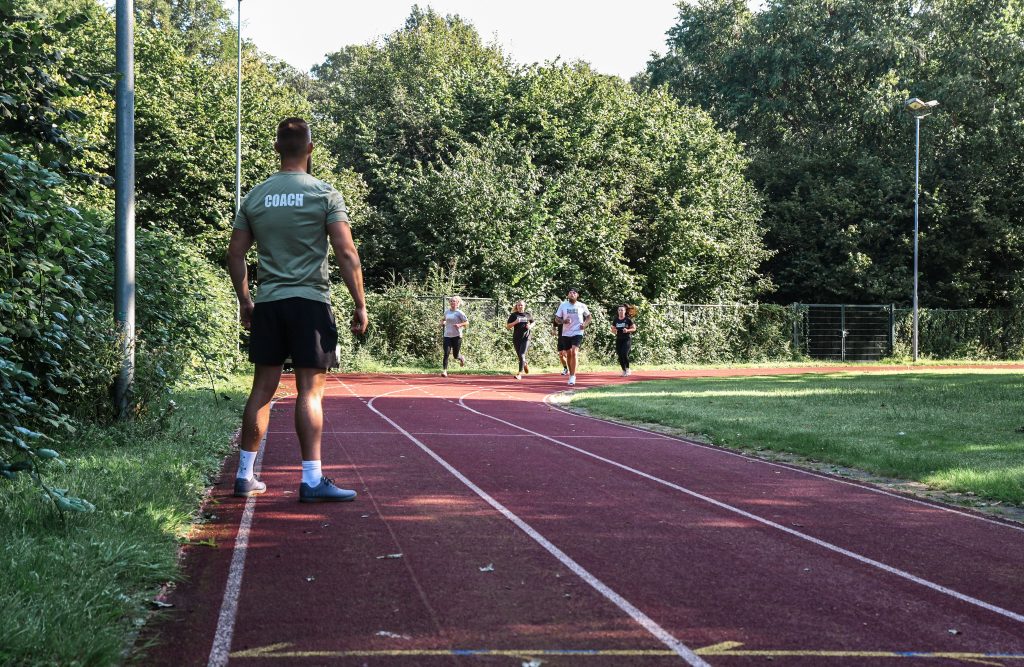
<point x="574" y="316"/>
<point x="292" y="217"/>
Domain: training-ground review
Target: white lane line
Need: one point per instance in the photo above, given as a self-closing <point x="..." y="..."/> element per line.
<point x="745" y="457"/>
<point x="474" y="435"/>
<point x="292" y="432"/>
<point x="221" y="648"/>
<point x="767" y="522"/>
<point x="641" y="618"/>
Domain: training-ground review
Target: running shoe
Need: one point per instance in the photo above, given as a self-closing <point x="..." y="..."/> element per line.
<point x="444" y="374"/>
<point x="462" y="360"/>
<point x="625" y="373"/>
<point x="526" y="369"/>
<point x="572" y="380"/>
<point x="565" y="371"/>
<point x="244" y="488"/>
<point x="324" y="492"/>
<point x="628" y="373"/>
<point x="519" y="376"/>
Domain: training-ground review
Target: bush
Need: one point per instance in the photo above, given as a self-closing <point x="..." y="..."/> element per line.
<point x="982" y="333"/>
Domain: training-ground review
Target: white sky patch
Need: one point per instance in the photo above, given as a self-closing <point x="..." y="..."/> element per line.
<point x="615" y="38"/>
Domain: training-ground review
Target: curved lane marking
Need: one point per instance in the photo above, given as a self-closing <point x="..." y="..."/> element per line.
<point x="767" y="522"/>
<point x="745" y="457"/>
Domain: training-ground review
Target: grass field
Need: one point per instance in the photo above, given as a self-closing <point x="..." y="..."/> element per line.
<point x="956" y="430"/>
<point x="74" y="592"/>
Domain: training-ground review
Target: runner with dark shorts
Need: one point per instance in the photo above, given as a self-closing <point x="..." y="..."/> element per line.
<point x="454" y="321"/>
<point x="623" y="327"/>
<point x="292" y="218"/>
<point x="574" y="316"/>
<point x="520" y="322"/>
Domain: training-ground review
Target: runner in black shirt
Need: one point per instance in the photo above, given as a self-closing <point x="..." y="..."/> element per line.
<point x="623" y="328"/>
<point x="520" y="322"/>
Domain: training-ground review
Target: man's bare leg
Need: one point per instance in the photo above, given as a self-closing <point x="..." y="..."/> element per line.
<point x="254" y="426"/>
<point x="257" y="408"/>
<point x="572" y="360"/>
<point x="309" y="425"/>
<point x="309" y="413"/>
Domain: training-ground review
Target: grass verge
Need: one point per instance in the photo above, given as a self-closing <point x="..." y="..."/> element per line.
<point x="75" y="592"/>
<point x="955" y="430"/>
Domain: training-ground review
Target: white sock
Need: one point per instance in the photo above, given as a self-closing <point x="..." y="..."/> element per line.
<point x="245" y="463"/>
<point x="311" y="472"/>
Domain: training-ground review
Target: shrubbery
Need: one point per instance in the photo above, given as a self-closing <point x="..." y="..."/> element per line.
<point x="59" y="347"/>
<point x="405" y="330"/>
<point x="981" y="333"/>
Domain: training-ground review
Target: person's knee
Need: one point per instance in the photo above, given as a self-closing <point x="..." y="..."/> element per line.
<point x="310" y="383"/>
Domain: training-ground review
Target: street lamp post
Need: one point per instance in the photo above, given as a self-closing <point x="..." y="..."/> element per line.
<point x="124" y="204"/>
<point x="238" y="118"/>
<point x="920" y="109"/>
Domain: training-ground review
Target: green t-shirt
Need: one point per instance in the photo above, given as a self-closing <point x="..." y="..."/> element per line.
<point x="288" y="216"/>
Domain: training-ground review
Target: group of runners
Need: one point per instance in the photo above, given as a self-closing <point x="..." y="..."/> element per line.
<point x="569" y="323"/>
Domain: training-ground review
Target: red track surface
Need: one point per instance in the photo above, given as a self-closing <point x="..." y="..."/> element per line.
<point x="645" y="549"/>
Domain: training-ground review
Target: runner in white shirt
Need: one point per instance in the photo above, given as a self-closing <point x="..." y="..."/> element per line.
<point x="574" y="316"/>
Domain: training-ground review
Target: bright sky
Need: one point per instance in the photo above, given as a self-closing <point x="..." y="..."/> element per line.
<point x="614" y="37"/>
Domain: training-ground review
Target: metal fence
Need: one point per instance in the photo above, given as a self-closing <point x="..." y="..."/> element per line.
<point x="844" y="332"/>
<point x="705" y="333"/>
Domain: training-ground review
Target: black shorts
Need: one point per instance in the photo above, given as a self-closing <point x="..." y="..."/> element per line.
<point x="299" y="328"/>
<point x="566" y="342"/>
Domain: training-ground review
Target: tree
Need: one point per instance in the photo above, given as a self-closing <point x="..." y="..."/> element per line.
<point x="815" y="89"/>
<point x="533" y="177"/>
<point x="201" y="24"/>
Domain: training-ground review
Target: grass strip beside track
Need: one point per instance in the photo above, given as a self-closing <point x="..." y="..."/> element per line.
<point x="75" y="594"/>
<point x="956" y="430"/>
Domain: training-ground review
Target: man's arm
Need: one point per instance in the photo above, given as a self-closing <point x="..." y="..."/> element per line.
<point x="351" y="271"/>
<point x="238" y="248"/>
<point x="586" y="321"/>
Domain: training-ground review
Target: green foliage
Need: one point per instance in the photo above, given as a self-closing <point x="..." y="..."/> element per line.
<point x="48" y="311"/>
<point x="982" y="333"/>
<point x="815" y="89"/>
<point x="534" y="177"/>
<point x="201" y="23"/>
<point x="185" y="116"/>
<point x="58" y="342"/>
<point x="405" y="330"/>
<point x="77" y="592"/>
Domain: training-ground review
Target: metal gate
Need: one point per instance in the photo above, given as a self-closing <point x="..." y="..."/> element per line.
<point x="844" y="332"/>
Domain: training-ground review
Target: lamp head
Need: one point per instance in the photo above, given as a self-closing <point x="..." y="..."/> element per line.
<point x="917" y="105"/>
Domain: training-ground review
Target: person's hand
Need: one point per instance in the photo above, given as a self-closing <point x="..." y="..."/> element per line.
<point x="359" y="321"/>
<point x="245" y="309"/>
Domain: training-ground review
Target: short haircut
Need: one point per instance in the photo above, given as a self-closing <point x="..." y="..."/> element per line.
<point x="293" y="137"/>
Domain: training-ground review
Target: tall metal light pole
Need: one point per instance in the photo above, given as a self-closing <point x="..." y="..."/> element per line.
<point x="920" y="109"/>
<point x="124" y="203"/>
<point x="238" y="118"/>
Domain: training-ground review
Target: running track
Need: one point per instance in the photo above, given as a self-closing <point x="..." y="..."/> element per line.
<point x="530" y="536"/>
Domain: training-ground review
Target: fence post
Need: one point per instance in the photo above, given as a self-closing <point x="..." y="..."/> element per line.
<point x="796" y="327"/>
<point x="892" y="329"/>
<point x="842" y="332"/>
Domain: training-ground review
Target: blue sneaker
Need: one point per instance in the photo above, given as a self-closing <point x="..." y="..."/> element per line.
<point x="249" y="487"/>
<point x="324" y="492"/>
